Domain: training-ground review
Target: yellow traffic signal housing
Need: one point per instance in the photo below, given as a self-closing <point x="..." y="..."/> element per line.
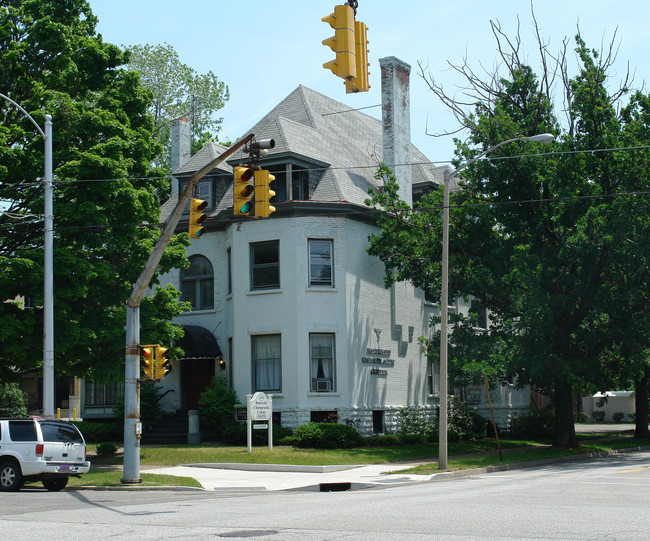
<point x="360" y="82"/>
<point x="342" y="43"/>
<point x="263" y="194"/>
<point x="147" y="362"/>
<point x="243" y="190"/>
<point x="163" y="365"/>
<point x="197" y="218"/>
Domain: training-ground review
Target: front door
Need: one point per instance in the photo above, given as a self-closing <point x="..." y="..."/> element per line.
<point x="196" y="375"/>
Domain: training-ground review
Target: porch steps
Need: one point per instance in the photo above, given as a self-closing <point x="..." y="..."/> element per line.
<point x="171" y="429"/>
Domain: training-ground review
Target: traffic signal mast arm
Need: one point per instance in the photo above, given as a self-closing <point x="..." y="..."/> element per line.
<point x="131" y="469"/>
<point x="170" y="224"/>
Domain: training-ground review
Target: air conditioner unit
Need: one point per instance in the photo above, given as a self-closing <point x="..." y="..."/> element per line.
<point x="323" y="385"/>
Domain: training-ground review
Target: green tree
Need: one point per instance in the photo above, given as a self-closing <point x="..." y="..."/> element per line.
<point x="13" y="402"/>
<point x="550" y="244"/>
<point x="178" y="90"/>
<point x="107" y="196"/>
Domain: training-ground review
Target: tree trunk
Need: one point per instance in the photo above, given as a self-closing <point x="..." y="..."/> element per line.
<point x="641" y="403"/>
<point x="565" y="430"/>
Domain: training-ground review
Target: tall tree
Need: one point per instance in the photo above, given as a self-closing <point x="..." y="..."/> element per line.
<point x="106" y="194"/>
<point x="549" y="243"/>
<point x="178" y="90"/>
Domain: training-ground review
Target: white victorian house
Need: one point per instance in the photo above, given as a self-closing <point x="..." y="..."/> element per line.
<point x="293" y="305"/>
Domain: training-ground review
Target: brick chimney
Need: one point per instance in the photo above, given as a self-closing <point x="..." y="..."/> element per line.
<point x="181" y="147"/>
<point x="396" y="122"/>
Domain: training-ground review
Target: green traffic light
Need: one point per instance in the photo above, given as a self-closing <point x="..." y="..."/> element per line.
<point x="245" y="208"/>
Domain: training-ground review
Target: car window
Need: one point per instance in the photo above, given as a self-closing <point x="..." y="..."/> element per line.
<point x="22" y="431"/>
<point x="60" y="432"/>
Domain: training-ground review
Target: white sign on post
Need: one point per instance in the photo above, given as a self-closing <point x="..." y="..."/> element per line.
<point x="259" y="407"/>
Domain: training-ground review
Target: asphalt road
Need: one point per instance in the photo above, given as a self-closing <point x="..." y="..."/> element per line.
<point x="603" y="499"/>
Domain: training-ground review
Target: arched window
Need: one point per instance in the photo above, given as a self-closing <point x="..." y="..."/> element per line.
<point x="197" y="283"/>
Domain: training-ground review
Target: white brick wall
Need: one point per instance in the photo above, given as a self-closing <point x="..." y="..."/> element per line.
<point x="368" y="320"/>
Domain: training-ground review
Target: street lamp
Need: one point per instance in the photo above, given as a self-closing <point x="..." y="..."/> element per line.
<point x="544" y="138"/>
<point x="48" y="263"/>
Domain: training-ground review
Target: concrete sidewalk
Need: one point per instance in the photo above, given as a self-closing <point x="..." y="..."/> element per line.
<point x="269" y="477"/>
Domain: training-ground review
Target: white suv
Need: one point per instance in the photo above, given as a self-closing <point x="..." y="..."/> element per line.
<point x="44" y="450"/>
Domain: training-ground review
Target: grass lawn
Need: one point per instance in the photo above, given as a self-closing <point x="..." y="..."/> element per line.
<point x="108" y="478"/>
<point x="107" y="471"/>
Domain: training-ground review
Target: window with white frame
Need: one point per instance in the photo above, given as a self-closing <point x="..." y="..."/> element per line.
<point x="433" y="377"/>
<point x="321" y="258"/>
<point x="479" y="310"/>
<point x="267" y="362"/>
<point x="203" y="191"/>
<point x="197" y="283"/>
<point x="265" y="265"/>
<point x="321" y="360"/>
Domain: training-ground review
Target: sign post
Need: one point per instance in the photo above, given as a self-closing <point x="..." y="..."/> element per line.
<point x="259" y="407"/>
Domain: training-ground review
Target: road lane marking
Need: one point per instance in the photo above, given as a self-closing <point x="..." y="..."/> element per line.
<point x="636" y="469"/>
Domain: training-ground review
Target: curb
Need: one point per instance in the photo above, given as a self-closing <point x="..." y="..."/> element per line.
<point x="442" y="476"/>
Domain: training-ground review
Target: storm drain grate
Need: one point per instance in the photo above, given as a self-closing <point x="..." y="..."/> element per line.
<point x="335" y="487"/>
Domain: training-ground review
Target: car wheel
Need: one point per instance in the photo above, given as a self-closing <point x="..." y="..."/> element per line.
<point x="11" y="477"/>
<point x="56" y="483"/>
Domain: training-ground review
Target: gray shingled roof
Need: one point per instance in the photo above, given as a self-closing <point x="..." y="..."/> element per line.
<point x="309" y="124"/>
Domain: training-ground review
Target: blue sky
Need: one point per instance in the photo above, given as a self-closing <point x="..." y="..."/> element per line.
<point x="263" y="50"/>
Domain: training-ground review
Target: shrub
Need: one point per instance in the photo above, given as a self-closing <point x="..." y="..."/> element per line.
<point x="13" y="402"/>
<point x="632" y="417"/>
<point x="326" y="436"/>
<point x="150" y="410"/>
<point x="582" y="417"/>
<point x="463" y="423"/>
<point x="106" y="449"/>
<point x="217" y="406"/>
<point x="536" y="425"/>
<point x="100" y="431"/>
<point x="235" y="434"/>
<point x="414" y="426"/>
<point x="598" y="416"/>
<point x="385" y="440"/>
<point x="618" y="416"/>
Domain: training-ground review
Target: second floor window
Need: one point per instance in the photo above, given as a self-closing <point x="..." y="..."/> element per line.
<point x="197" y="283"/>
<point x="320" y="263"/>
<point x="265" y="265"/>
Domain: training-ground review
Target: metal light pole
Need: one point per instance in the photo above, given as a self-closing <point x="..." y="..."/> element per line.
<point x="48" y="263"/>
<point x="444" y="294"/>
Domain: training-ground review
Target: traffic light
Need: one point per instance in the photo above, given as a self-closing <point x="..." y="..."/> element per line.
<point x="342" y="43"/>
<point x="197" y="217"/>
<point x="360" y="82"/>
<point x="243" y="190"/>
<point x="163" y="365"/>
<point x="263" y="193"/>
<point x="147" y="362"/>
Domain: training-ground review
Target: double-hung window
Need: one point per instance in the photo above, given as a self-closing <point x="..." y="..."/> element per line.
<point x="321" y="359"/>
<point x="433" y="377"/>
<point x="267" y="362"/>
<point x="321" y="259"/>
<point x="197" y="283"/>
<point x="265" y="265"/>
<point x="480" y="312"/>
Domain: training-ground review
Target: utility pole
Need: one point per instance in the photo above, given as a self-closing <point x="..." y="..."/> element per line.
<point x="132" y="427"/>
<point x="48" y="264"/>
